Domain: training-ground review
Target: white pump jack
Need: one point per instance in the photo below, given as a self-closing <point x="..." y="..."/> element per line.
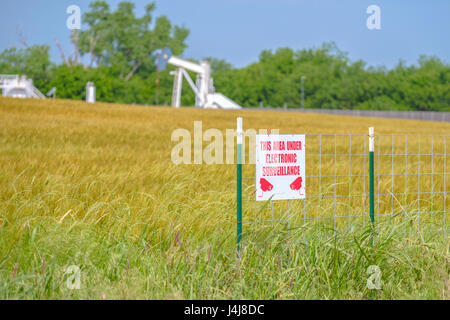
<point x="205" y="95"/>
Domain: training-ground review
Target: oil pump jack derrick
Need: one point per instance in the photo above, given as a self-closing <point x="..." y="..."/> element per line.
<point x="205" y="95"/>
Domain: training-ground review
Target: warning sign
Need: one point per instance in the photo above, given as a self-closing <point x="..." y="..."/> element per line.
<point x="280" y="167"/>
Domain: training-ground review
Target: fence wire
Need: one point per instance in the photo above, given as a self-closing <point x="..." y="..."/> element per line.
<point x="411" y="185"/>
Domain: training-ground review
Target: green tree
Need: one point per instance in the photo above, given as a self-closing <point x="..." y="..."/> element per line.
<point x="33" y="61"/>
<point x="124" y="42"/>
<point x="218" y="65"/>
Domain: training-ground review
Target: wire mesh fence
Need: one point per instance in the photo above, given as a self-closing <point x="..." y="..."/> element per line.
<point x="411" y="184"/>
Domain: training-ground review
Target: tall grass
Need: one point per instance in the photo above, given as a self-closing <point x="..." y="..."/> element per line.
<point x="276" y="264"/>
<point x="94" y="186"/>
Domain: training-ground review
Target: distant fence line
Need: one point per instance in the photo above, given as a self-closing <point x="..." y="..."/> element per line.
<point x="413" y="115"/>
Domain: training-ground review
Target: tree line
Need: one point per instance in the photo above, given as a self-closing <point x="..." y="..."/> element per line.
<point x="117" y="49"/>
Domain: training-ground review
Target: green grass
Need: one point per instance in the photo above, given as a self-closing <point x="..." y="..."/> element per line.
<point x="275" y="265"/>
<point x="93" y="186"/>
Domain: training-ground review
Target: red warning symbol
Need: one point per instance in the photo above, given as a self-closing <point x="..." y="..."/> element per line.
<point x="265" y="185"/>
<point x="297" y="184"/>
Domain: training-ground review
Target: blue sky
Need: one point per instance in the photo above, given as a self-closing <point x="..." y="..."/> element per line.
<point x="238" y="30"/>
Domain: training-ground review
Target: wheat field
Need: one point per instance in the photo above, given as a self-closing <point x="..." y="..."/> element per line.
<point x="94" y="186"/>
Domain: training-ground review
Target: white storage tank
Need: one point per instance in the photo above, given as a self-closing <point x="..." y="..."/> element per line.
<point x="90" y="92"/>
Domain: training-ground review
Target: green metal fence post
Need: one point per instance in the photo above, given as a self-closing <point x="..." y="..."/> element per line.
<point x="239" y="183"/>
<point x="371" y="175"/>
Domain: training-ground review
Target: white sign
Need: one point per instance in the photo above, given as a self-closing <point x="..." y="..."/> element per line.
<point x="280" y="167"/>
